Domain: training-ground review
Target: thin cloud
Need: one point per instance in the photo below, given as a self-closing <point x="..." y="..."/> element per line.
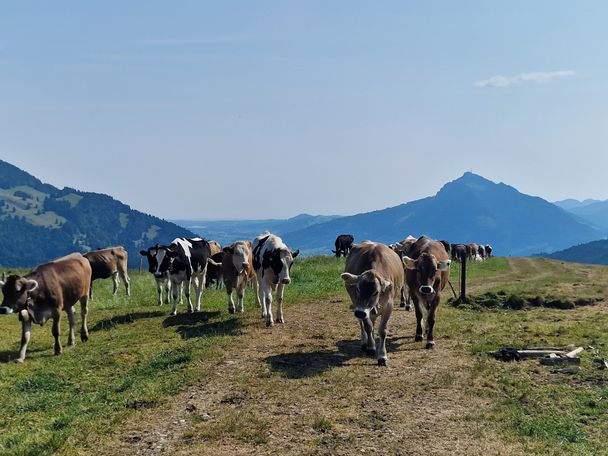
<point x="538" y="77"/>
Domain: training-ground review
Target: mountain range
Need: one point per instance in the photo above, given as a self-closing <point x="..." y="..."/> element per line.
<point x="39" y="222"/>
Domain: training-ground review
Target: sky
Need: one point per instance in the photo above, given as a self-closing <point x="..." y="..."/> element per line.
<point x="259" y="109"/>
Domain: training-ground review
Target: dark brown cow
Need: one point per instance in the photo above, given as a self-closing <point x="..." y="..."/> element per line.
<point x="214" y="271"/>
<point x="459" y="252"/>
<point x="46" y="291"/>
<point x="237" y="270"/>
<point x="373" y="278"/>
<point x="109" y="262"/>
<point x="427" y="273"/>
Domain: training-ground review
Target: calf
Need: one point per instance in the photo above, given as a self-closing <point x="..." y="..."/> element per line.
<point x="237" y="270"/>
<point x="344" y="243"/>
<point x="46" y="291"/>
<point x="374" y="279"/>
<point x="186" y="262"/>
<point x="109" y="262"/>
<point x="162" y="279"/>
<point x="272" y="261"/>
<point x="427" y="273"/>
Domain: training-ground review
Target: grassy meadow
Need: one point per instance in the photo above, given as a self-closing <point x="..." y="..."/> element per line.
<point x="212" y="382"/>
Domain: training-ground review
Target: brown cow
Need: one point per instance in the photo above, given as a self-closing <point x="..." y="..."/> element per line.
<point x="237" y="270"/>
<point x="109" y="262"/>
<point x="472" y="251"/>
<point x="215" y="247"/>
<point x="459" y="252"/>
<point x="46" y="291"/>
<point x="373" y="278"/>
<point x="427" y="273"/>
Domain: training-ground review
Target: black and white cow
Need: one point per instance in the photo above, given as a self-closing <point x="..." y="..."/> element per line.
<point x="162" y="280"/>
<point x="272" y="260"/>
<point x="186" y="262"/>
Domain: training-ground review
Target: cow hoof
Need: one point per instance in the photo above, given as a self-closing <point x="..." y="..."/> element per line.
<point x="430" y="344"/>
<point x="280" y="320"/>
<point x="190" y="311"/>
<point x="269" y="323"/>
<point x="382" y="362"/>
<point x="402" y="304"/>
<point x="417" y="338"/>
<point x="408" y="307"/>
<point x="173" y="314"/>
<point x="241" y="310"/>
<point x="83" y="338"/>
<point x="230" y="310"/>
<point x="70" y="343"/>
<point x="19" y="360"/>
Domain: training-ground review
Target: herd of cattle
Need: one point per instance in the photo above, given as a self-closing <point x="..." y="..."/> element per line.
<point x="376" y="276"/>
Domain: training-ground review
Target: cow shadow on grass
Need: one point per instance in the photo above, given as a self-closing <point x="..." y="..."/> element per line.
<point x="112" y="322"/>
<point x="297" y="365"/>
<point x="203" y="324"/>
<point x="9" y="356"/>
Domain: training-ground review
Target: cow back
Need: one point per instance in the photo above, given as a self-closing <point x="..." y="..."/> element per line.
<point x="105" y="262"/>
<point x="378" y="257"/>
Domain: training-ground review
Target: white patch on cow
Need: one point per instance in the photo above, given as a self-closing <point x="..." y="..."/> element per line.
<point x="160" y="256"/>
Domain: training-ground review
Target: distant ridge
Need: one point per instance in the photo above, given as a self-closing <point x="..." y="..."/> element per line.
<point x="594" y="252"/>
<point x="468" y="209"/>
<point x="39" y="222"/>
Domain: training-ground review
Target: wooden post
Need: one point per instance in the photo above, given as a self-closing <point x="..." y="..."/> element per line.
<point x="141" y="262"/>
<point x="463" y="279"/>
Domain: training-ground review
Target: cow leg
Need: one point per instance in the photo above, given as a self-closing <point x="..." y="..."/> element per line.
<point x="187" y="290"/>
<point x="84" y="310"/>
<point x="280" y="290"/>
<point x="71" y="323"/>
<point x="363" y="336"/>
<point x="126" y="279"/>
<point x="255" y="286"/>
<point x="91" y="290"/>
<point x="381" y="348"/>
<point x="368" y="326"/>
<point x="167" y="291"/>
<point x="230" y="300"/>
<point x="430" y="324"/>
<point x="175" y="288"/>
<point x="240" y="294"/>
<point x="55" y="331"/>
<point x="159" y="290"/>
<point x="419" y="314"/>
<point x="26" y="331"/>
<point x="116" y="281"/>
<point x="261" y="295"/>
<point x="267" y="304"/>
<point x="198" y="290"/>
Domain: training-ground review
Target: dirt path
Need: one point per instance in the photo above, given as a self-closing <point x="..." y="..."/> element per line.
<point x="305" y="388"/>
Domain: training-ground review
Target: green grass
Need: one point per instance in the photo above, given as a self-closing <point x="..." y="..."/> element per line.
<point x="138" y="357"/>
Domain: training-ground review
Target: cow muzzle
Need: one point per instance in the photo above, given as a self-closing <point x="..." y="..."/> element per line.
<point x="286" y="281"/>
<point x="426" y="290"/>
<point x="360" y="313"/>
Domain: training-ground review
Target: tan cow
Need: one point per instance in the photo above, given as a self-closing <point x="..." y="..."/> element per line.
<point x="109" y="262"/>
<point x="215" y="247"/>
<point x="373" y="278"/>
<point x="427" y="273"/>
<point x="237" y="270"/>
<point x="43" y="293"/>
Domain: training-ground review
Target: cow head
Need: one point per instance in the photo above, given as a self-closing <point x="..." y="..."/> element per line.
<point x="240" y="253"/>
<point x="280" y="261"/>
<point x="159" y="259"/>
<point x="16" y="290"/>
<point x="369" y="288"/>
<point x="428" y="271"/>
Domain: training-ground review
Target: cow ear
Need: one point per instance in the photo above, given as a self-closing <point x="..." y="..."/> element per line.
<point x="295" y="254"/>
<point x="444" y="265"/>
<point x="385" y="286"/>
<point x="349" y="279"/>
<point x="228" y="249"/>
<point x="409" y="263"/>
<point x="143" y="253"/>
<point x="30" y="285"/>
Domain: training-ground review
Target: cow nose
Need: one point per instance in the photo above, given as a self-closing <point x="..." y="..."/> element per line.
<point x="286" y="281"/>
<point x="244" y="265"/>
<point x="426" y="289"/>
<point x="360" y="314"/>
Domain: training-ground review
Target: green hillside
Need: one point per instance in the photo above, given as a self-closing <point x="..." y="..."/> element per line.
<point x="39" y="222"/>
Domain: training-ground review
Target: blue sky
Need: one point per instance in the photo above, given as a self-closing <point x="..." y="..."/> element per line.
<point x="256" y="109"/>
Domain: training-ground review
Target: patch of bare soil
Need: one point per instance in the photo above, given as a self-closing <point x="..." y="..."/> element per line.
<point x="305" y="388"/>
